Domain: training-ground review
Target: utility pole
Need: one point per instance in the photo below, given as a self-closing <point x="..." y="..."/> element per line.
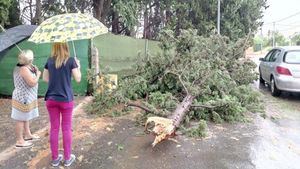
<point x="262" y="40"/>
<point x="219" y="16"/>
<point x="273" y="44"/>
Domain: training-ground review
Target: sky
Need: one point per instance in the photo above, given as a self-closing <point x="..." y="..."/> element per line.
<point x="280" y="12"/>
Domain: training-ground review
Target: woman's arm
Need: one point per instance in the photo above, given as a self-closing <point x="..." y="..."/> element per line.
<point x="76" y="74"/>
<point x="27" y="76"/>
<point x="46" y="75"/>
<point x="76" y="71"/>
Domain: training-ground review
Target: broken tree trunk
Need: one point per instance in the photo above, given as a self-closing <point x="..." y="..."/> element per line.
<point x="165" y="128"/>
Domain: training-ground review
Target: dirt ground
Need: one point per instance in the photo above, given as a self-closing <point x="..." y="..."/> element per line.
<point x="7" y="124"/>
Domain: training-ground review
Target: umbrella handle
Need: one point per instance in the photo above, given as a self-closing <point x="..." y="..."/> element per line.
<point x="74" y="49"/>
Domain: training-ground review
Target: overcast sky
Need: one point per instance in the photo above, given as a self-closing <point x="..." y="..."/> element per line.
<point x="278" y="10"/>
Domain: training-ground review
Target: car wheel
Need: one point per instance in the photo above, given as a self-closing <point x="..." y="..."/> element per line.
<point x="261" y="80"/>
<point x="274" y="91"/>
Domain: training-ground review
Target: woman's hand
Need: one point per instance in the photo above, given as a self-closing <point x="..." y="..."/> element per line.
<point x="77" y="62"/>
<point x="38" y="72"/>
<point x="26" y="74"/>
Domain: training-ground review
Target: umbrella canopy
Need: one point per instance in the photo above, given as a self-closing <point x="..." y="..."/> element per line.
<point x="68" y="27"/>
<point x="15" y="35"/>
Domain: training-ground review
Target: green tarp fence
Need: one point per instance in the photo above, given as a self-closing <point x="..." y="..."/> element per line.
<point x="119" y="53"/>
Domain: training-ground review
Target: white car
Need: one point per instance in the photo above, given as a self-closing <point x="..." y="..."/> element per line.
<point x="280" y="68"/>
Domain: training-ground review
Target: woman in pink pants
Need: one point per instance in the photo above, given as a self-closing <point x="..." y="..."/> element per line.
<point x="59" y="100"/>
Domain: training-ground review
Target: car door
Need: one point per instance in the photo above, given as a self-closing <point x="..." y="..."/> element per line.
<point x="264" y="65"/>
<point x="271" y="64"/>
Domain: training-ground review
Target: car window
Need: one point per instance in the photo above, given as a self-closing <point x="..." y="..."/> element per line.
<point x="267" y="58"/>
<point x="292" y="57"/>
<point x="274" y="55"/>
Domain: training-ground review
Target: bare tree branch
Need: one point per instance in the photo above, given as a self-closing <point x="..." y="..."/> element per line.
<point x="202" y="106"/>
<point x="208" y="106"/>
<point x="139" y="106"/>
<point x="145" y="108"/>
<point x="179" y="77"/>
<point x="245" y="43"/>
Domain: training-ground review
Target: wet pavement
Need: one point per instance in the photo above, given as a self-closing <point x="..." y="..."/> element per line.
<point x="278" y="141"/>
<point x="277" y="144"/>
<point x="225" y="148"/>
<point x="116" y="143"/>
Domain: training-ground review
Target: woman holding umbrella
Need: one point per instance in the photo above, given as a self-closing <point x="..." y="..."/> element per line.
<point x="58" y="71"/>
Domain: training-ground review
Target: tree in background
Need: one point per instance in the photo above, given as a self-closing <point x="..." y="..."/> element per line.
<point x="52" y="7"/>
<point x="124" y="17"/>
<point x="260" y="42"/>
<point x="101" y="9"/>
<point x="38" y="13"/>
<point x="280" y="40"/>
<point x="14" y="15"/>
<point x="28" y="11"/>
<point x="4" y="11"/>
<point x="295" y="39"/>
<point x="241" y="17"/>
<point x="35" y="11"/>
<point x="238" y="17"/>
<point x="82" y="6"/>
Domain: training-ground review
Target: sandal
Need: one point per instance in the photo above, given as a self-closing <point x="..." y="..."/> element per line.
<point x="33" y="138"/>
<point x="25" y="145"/>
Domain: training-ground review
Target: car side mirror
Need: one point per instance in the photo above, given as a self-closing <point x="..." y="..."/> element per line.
<point x="262" y="59"/>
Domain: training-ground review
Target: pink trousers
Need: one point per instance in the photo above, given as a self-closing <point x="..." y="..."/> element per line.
<point x="56" y="111"/>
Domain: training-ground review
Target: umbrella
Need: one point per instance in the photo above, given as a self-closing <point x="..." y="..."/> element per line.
<point x="15" y="35"/>
<point x="68" y="27"/>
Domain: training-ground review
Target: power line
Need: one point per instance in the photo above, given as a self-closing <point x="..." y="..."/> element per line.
<point x="280" y="20"/>
<point x="288" y="17"/>
<point x="285" y="18"/>
<point x="284" y="30"/>
<point x="291" y="23"/>
<point x="288" y="25"/>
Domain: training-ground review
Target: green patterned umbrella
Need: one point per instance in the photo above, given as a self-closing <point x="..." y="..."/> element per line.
<point x="68" y="27"/>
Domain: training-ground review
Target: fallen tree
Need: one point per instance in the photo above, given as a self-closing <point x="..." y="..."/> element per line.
<point x="193" y="77"/>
